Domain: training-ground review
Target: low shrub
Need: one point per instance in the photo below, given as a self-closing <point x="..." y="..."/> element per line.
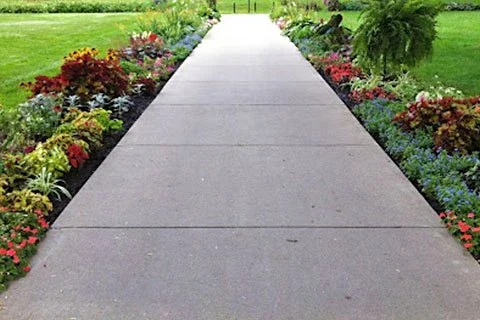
<point x="84" y="75"/>
<point x="75" y="6"/>
<point x="455" y="122"/>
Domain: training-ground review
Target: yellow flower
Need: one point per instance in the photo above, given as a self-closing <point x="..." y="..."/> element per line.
<point x="81" y="53"/>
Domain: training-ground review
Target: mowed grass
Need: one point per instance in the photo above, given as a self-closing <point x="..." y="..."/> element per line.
<point x="34" y="44"/>
<point x="456" y="57"/>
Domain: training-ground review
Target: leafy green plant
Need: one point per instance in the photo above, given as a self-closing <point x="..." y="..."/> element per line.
<point x="472" y="177"/>
<point x="40" y="116"/>
<point x="54" y="160"/>
<point x="26" y="200"/>
<point x="171" y="25"/>
<point x="47" y="185"/>
<point x="395" y="33"/>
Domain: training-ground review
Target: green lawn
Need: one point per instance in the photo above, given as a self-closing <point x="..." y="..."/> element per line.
<point x="38" y="42"/>
<point x="265" y="6"/>
<point x="456" y="58"/>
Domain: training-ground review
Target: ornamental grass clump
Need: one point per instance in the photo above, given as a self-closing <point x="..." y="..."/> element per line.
<point x="395" y="34"/>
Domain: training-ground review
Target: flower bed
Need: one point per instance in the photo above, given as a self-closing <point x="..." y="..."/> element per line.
<point x="52" y="143"/>
<point x="431" y="133"/>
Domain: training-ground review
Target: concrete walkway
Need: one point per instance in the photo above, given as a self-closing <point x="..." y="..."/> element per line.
<point x="247" y="191"/>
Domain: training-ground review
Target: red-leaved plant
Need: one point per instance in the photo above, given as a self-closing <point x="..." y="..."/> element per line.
<point x="456" y="122"/>
<point x="84" y="76"/>
<point x="76" y="155"/>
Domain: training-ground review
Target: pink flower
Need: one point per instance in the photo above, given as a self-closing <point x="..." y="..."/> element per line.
<point x="471" y="215"/>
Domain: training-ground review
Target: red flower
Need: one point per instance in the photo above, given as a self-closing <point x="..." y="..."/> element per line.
<point x="26" y="269"/>
<point x="23" y="244"/>
<point x="442" y="215"/>
<point x="463" y="226"/>
<point x="466" y="237"/>
<point x="32" y="240"/>
<point x="43" y="223"/>
<point x="477" y="229"/>
<point x="10" y="244"/>
<point x="3" y="252"/>
<point x="468" y="245"/>
<point x="11" y="252"/>
<point x="152" y="37"/>
<point x="16" y="259"/>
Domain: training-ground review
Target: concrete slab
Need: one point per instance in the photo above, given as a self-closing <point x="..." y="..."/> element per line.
<point x="252" y="93"/>
<point x="301" y="73"/>
<point x="269" y="48"/>
<point x="247" y="125"/>
<point x="217" y="59"/>
<point x="159" y="186"/>
<point x="247" y="274"/>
